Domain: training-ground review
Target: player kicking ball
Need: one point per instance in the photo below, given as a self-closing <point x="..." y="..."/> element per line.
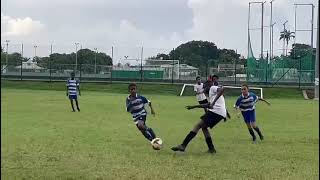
<point x="215" y="113"/>
<point x="246" y="103"/>
<point x="135" y="105"/>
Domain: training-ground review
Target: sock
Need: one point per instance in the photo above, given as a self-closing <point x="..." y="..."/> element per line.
<point x="209" y="143"/>
<point x="188" y="138"/>
<point x="151" y="132"/>
<point x="252" y="134"/>
<point x="147" y="135"/>
<point x="258" y="131"/>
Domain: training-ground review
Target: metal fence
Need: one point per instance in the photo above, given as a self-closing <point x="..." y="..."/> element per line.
<point x="131" y="64"/>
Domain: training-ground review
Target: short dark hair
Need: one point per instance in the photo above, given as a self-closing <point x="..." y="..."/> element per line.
<point x="198" y="77"/>
<point x="216" y="76"/>
<point x="131" y="85"/>
<point x="245" y="85"/>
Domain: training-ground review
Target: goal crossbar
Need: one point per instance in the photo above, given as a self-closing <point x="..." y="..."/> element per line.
<point x="231" y="87"/>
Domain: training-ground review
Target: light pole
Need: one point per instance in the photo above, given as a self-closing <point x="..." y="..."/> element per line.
<point x="316" y="83"/>
<point x="271" y="31"/>
<point x="262" y="26"/>
<point x="284" y="29"/>
<point x="35" y="51"/>
<point x="76" y="55"/>
<point x="95" y="60"/>
<point x="7" y="44"/>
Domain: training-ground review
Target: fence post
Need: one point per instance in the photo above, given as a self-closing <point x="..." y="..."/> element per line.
<point x="235" y="71"/>
<point x="80" y="70"/>
<point x="172" y="66"/>
<point x="141" y="73"/>
<point x="50" y="63"/>
<point x="111" y="64"/>
<point x="21" y="61"/>
<point x="299" y="73"/>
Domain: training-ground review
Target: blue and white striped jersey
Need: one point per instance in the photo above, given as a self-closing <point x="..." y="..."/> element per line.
<point x="136" y="106"/>
<point x="72" y="85"/>
<point x="247" y="103"/>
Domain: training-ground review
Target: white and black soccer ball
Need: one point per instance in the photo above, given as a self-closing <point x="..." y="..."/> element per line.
<point x="156" y="143"/>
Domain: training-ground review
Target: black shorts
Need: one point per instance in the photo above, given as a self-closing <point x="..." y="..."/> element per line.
<point x="140" y="118"/>
<point x="211" y="119"/>
<point x="203" y="101"/>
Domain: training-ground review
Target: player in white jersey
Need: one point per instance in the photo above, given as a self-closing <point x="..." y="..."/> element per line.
<point x="199" y="90"/>
<point x="216" y="112"/>
<point x="72" y="90"/>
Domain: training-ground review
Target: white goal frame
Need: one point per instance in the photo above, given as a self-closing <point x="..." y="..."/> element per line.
<point x="231" y="87"/>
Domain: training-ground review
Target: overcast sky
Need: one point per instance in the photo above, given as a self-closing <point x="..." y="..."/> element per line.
<point x="156" y="25"/>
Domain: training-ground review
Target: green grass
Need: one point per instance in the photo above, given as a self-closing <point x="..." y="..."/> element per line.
<point x="42" y="139"/>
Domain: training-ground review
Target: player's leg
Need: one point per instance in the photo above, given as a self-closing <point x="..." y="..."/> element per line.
<point x="254" y="126"/>
<point x="189" y="137"/>
<point x="140" y="123"/>
<point x="77" y="104"/>
<point x="208" y="139"/>
<point x="71" y="102"/>
<point x="247" y="119"/>
<point x="251" y="131"/>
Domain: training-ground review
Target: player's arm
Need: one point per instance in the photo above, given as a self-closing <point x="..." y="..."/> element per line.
<point x="198" y="106"/>
<point x="128" y="108"/>
<point x="151" y="108"/>
<point x="261" y="99"/>
<point x="219" y="93"/>
<point x="67" y="89"/>
<point x="78" y="87"/>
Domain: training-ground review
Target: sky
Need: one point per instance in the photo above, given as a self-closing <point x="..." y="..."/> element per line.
<point x="157" y="26"/>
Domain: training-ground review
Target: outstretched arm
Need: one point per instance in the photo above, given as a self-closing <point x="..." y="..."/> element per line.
<point x="264" y="101"/>
<point x="67" y="90"/>
<point x="152" y="110"/>
<point x="198" y="106"/>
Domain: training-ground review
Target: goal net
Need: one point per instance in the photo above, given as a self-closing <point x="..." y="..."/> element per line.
<point x="188" y="90"/>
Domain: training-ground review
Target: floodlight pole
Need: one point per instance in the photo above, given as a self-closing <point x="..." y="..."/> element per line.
<point x="316" y="87"/>
<point x="76" y="55"/>
<point x="7" y="44"/>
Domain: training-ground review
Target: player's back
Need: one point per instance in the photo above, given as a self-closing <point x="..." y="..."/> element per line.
<point x="72" y="86"/>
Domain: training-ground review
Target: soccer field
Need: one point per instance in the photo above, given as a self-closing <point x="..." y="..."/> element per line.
<point x="42" y="139"/>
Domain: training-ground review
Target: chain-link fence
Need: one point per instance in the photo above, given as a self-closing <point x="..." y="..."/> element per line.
<point x="35" y="62"/>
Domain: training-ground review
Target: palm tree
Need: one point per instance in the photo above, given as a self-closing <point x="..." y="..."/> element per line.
<point x="286" y="35"/>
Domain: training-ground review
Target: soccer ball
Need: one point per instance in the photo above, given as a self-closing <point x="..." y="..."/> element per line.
<point x="156" y="143"/>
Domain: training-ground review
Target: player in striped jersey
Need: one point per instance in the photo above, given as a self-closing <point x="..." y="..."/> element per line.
<point x="135" y="105"/>
<point x="246" y="103"/>
<point x="72" y="91"/>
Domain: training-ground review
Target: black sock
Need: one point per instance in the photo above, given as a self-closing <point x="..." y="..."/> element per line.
<point x="151" y="132"/>
<point x="188" y="138"/>
<point x="258" y="131"/>
<point x="147" y="135"/>
<point x="209" y="143"/>
<point x="252" y="133"/>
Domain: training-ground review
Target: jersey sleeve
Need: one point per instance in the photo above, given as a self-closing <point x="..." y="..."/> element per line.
<point x="145" y="100"/>
<point x="238" y="102"/>
<point x="128" y="105"/>
<point x="77" y="83"/>
<point x="255" y="97"/>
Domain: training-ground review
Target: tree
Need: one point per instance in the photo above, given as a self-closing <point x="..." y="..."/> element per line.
<point x="195" y="53"/>
<point x="286" y="35"/>
<point x="301" y="50"/>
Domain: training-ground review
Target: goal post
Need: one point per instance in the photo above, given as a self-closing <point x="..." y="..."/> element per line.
<point x="230" y="90"/>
